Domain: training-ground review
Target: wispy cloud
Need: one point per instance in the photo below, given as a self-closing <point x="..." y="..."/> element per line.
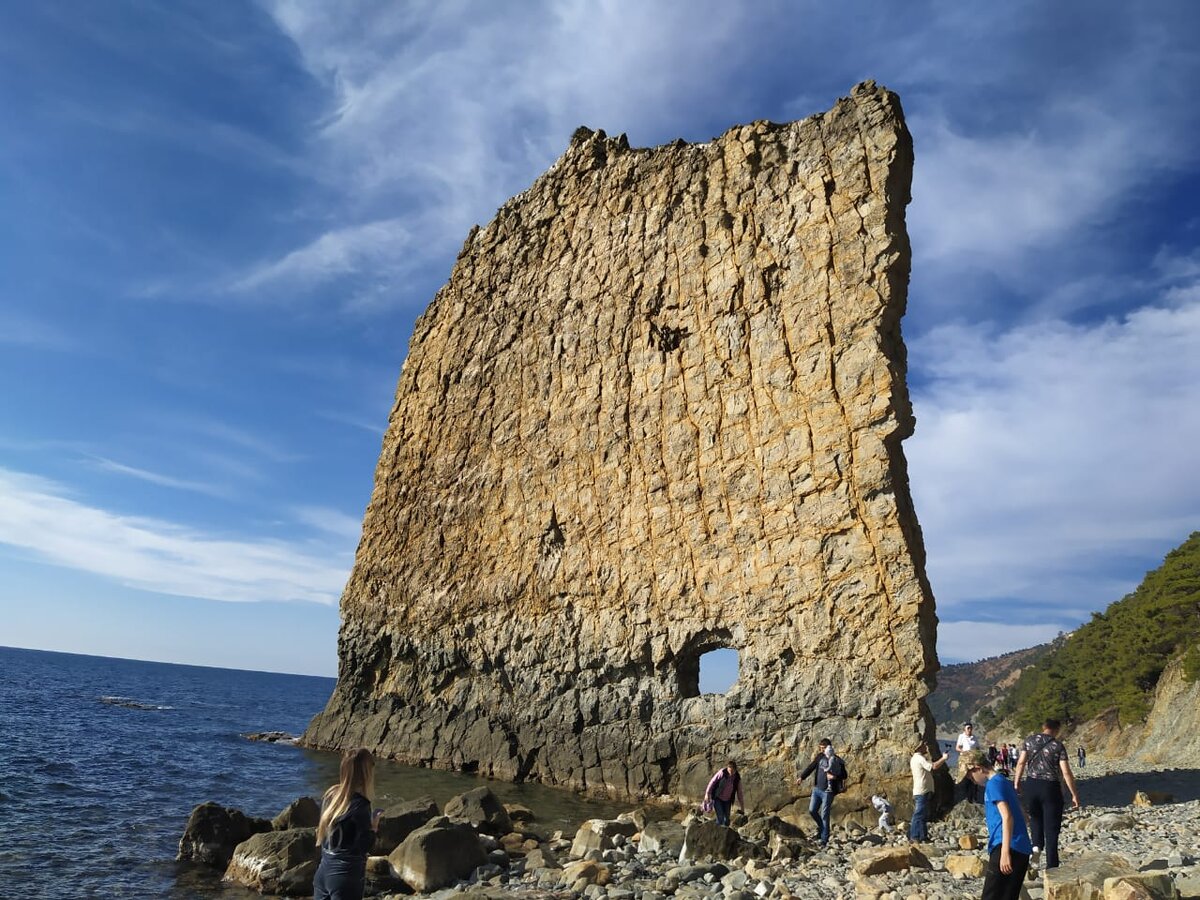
<point x="39" y="516"/>
<point x="24" y="331"/>
<point x="377" y="247"/>
<point x="183" y="484"/>
<point x="1049" y="457"/>
<point x="329" y="521"/>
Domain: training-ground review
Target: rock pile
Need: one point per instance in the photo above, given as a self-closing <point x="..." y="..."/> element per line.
<point x="1109" y="853"/>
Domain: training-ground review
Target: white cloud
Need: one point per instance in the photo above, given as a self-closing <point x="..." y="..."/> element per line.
<point x="373" y="247"/>
<point x="155" y="555"/>
<point x="330" y="521"/>
<point x="968" y="641"/>
<point x="183" y="484"/>
<point x="1050" y="459"/>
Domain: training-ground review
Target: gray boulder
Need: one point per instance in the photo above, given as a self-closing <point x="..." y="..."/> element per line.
<point x="666" y="837"/>
<point x="400" y="820"/>
<point x="302" y="813"/>
<point x="276" y="862"/>
<point x="708" y="839"/>
<point x="213" y="831"/>
<point x="481" y="809"/>
<point x="438" y="855"/>
<point x="597" y="835"/>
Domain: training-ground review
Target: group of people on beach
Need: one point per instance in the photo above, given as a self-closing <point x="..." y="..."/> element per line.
<point x="1040" y="770"/>
<point x="348" y="824"/>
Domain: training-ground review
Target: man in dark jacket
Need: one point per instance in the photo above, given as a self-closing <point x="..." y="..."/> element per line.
<point x="830" y="780"/>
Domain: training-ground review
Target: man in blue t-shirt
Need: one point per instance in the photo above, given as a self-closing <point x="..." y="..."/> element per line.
<point x="1008" y="839"/>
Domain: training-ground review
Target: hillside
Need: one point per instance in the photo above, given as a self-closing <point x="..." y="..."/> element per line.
<point x="1113" y="663"/>
<point x="972" y="691"/>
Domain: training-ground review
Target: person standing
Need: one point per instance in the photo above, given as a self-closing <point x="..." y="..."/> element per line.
<point x="922" y="773"/>
<point x="1042" y="769"/>
<point x="725" y="784"/>
<point x="830" y="780"/>
<point x="346" y="830"/>
<point x="1009" y="847"/>
<point x="966" y="742"/>
<point x="1081" y="754"/>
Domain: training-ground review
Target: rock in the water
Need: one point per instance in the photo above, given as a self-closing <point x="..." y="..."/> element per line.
<point x="400" y="820"/>
<point x="519" y="814"/>
<point x="302" y="813"/>
<point x="877" y="860"/>
<point x="213" y="831"/>
<point x="481" y="809"/>
<point x="437" y="855"/>
<point x="276" y="862"/>
<point x="657" y="409"/>
<point x="664" y="837"/>
<point x="1082" y="877"/>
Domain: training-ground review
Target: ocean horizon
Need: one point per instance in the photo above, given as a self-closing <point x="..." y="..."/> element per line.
<point x="103" y="759"/>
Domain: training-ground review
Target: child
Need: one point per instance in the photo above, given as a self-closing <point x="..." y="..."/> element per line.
<point x="881" y="804"/>
<point x="1009" y="848"/>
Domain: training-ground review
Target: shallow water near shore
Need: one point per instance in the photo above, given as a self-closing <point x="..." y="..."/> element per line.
<point x="102" y="761"/>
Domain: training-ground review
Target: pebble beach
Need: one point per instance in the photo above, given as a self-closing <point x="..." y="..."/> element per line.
<point x="1161" y="838"/>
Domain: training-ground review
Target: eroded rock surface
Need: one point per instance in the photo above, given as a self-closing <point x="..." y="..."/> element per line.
<point x="656" y="410"/>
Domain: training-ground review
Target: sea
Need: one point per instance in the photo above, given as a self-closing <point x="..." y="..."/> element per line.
<point x="102" y="760"/>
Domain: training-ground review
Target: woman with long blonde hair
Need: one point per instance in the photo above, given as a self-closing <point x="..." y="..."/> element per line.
<point x="346" y="830"/>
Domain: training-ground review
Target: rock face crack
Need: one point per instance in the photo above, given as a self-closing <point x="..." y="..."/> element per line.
<point x="657" y="408"/>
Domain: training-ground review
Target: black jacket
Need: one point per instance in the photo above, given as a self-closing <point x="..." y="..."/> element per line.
<point x="831" y="773"/>
<point x="351" y="833"/>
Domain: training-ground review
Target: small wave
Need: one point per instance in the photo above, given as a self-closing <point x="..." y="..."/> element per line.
<point x="130" y="703"/>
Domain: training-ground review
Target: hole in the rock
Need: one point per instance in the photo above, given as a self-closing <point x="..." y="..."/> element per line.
<point x="718" y="670"/>
<point x="712" y="671"/>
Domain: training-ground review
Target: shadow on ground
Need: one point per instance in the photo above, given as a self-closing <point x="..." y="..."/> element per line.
<point x="1118" y="788"/>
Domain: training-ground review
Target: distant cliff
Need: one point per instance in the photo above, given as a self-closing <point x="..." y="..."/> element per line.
<point x="973" y="692"/>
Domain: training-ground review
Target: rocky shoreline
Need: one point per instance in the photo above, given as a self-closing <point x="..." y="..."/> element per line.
<point x="476" y="848"/>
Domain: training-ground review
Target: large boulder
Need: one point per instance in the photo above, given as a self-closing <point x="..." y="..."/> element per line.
<point x="708" y="839"/>
<point x="877" y="860"/>
<point x="1083" y="877"/>
<point x="598" y="834"/>
<point x="1142" y="886"/>
<point x="666" y="837"/>
<point x="213" y="831"/>
<point x="400" y="820"/>
<point x="480" y="808"/>
<point x="968" y="865"/>
<point x="302" y="813"/>
<point x="276" y="862"/>
<point x="438" y="855"/>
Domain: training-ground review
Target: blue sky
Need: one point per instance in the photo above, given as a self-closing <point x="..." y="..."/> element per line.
<point x="220" y="220"/>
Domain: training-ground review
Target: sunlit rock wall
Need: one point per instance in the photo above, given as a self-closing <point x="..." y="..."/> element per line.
<point x="657" y="409"/>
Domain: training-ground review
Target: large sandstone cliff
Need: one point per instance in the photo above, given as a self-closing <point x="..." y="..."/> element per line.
<point x="657" y="409"/>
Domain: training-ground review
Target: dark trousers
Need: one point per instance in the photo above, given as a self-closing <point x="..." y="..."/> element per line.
<point x="340" y="878"/>
<point x="723" y="808"/>
<point x="1044" y="800"/>
<point x="997" y="885"/>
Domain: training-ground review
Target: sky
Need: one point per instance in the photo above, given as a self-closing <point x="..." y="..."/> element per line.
<point x="219" y="221"/>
